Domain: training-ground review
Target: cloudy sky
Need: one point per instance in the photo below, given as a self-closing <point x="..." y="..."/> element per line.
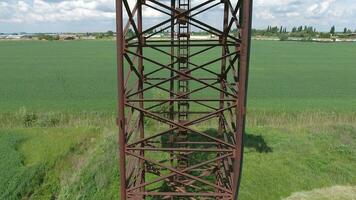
<point x="98" y="15"/>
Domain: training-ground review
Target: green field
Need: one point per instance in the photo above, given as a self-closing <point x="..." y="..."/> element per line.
<point x="81" y="75"/>
<point x="57" y="119"/>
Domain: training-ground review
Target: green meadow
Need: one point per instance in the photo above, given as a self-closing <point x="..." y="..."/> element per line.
<point x="81" y="75"/>
<point x="58" y="135"/>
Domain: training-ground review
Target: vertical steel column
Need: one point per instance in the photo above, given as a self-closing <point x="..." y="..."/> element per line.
<point x="121" y="97"/>
<point x="246" y="22"/>
<point x="223" y="80"/>
<point x="140" y="87"/>
<point x="171" y="86"/>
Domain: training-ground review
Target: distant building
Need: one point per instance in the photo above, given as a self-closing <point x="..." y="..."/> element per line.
<point x="14" y="37"/>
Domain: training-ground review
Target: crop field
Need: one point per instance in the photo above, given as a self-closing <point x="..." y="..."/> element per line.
<point x="81" y="75"/>
<point x="58" y="135"/>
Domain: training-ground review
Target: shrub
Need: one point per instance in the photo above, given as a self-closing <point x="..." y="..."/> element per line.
<point x="30" y="119"/>
<point x="48" y="37"/>
<point x="48" y="120"/>
<point x="324" y="35"/>
<point x="160" y="94"/>
<point x="283" y="37"/>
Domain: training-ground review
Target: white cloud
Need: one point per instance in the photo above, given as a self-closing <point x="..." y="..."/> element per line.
<point x="149" y="12"/>
<point x="319" y="13"/>
<point x="320" y="8"/>
<point x="44" y="11"/>
<point x="266" y="15"/>
<point x="292" y="14"/>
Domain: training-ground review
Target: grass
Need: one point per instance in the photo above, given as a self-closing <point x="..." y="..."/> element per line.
<point x="57" y="116"/>
<point x="29" y="155"/>
<point x="80" y="75"/>
<point x="332" y="193"/>
<point x="283" y="155"/>
<point x="300" y="160"/>
<point x="98" y="178"/>
<point x="49" y="75"/>
<point x="298" y="76"/>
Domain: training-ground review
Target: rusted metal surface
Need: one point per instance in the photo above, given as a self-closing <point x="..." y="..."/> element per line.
<point x="182" y="101"/>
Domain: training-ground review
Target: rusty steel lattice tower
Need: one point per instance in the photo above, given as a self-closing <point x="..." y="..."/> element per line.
<point x="182" y="97"/>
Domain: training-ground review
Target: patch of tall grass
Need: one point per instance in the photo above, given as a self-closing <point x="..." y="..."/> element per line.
<point x="28" y="155"/>
<point x="255" y="118"/>
<point x="26" y="118"/>
<point x="329" y="193"/>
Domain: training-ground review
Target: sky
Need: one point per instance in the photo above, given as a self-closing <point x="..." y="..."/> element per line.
<point x="99" y="15"/>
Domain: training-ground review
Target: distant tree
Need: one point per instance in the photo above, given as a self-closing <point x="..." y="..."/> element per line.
<point x="48" y="37"/>
<point x="130" y="33"/>
<point x="99" y="35"/>
<point x="254" y="31"/>
<point x="235" y="32"/>
<point x="345" y="30"/>
<point x="300" y="28"/>
<point x="324" y="35"/>
<point x="283" y="37"/>
<point x="110" y="33"/>
<point x="309" y="30"/>
<point x="274" y="29"/>
<point x="281" y="29"/>
<point x="150" y="31"/>
<point x="332" y="30"/>
<point x="294" y="29"/>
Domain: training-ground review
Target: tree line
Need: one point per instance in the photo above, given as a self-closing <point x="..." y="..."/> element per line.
<point x="305" y="32"/>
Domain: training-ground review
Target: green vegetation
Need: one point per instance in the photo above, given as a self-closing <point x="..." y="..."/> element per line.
<point x="332" y="30"/>
<point x="301" y="159"/>
<point x="58" y="140"/>
<point x="285" y="153"/>
<point x="283" y="37"/>
<point x="107" y="35"/>
<point x="331" y="193"/>
<point x="48" y="37"/>
<point x="302" y="32"/>
<point x="80" y="75"/>
<point x="59" y="75"/>
<point x="28" y="157"/>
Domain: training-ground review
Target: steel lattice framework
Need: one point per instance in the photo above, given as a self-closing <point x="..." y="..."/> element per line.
<point x="182" y="98"/>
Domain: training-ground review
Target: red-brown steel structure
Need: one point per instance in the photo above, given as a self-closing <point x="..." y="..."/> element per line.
<point x="172" y="87"/>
